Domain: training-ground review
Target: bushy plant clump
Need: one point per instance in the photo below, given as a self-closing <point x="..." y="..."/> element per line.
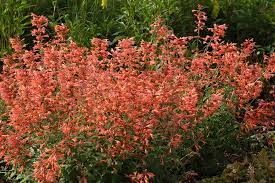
<point x="259" y="168"/>
<point x="98" y="107"/>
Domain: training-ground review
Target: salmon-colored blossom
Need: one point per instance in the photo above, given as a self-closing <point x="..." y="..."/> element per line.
<point x="61" y="97"/>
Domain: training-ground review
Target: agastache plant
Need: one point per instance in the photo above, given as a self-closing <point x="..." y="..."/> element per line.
<point x="61" y="97"/>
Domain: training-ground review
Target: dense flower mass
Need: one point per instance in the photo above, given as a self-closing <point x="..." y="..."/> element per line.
<point x="62" y="97"/>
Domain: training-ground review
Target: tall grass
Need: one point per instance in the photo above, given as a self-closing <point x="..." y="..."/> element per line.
<point x="117" y="19"/>
<point x="14" y="19"/>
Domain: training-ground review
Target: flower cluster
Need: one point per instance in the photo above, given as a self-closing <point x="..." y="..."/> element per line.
<point x="62" y="97"/>
<point x="143" y="177"/>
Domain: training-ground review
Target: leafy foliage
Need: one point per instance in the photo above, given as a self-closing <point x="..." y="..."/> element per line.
<point x="14" y="19"/>
<point x="260" y="168"/>
<point x="118" y="19"/>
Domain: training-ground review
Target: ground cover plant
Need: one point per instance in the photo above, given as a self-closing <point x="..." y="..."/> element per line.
<point x="96" y="114"/>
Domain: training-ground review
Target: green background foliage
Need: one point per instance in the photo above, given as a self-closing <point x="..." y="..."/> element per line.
<point x="131" y="18"/>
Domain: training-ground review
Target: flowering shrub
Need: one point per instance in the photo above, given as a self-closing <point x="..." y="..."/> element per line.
<point x="64" y="100"/>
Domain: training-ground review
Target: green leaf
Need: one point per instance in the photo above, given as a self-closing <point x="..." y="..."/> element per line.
<point x="26" y="178"/>
<point x="215" y="8"/>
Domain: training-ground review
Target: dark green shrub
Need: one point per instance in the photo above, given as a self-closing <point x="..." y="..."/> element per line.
<point x="250" y="19"/>
<point x="260" y="168"/>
